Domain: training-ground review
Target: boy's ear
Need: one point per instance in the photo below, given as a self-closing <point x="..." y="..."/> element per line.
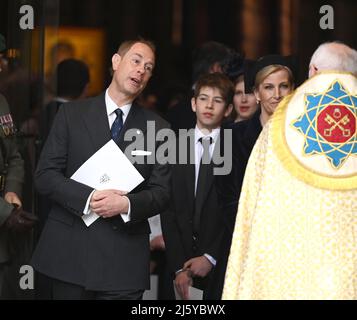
<point x="228" y="110"/>
<point x="193" y="104"/>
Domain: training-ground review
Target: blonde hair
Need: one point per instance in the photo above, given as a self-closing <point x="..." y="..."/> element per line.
<point x="268" y="70"/>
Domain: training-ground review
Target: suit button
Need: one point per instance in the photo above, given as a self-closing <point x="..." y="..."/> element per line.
<point x="115" y="228"/>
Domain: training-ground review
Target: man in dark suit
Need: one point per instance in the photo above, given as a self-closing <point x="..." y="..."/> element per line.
<point x="110" y="258"/>
<point x="192" y="226"/>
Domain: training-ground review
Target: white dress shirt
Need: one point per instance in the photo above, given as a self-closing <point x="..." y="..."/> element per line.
<point x="111" y="106"/>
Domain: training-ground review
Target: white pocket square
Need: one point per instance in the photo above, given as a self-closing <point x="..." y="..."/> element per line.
<point x="141" y="153"/>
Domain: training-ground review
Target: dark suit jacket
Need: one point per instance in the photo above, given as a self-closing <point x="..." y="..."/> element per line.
<point x="109" y="255"/>
<point x="244" y="134"/>
<point x="43" y="203"/>
<point x="47" y="117"/>
<point x="177" y="222"/>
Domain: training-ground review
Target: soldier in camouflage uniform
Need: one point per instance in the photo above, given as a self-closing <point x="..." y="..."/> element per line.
<point x="12" y="218"/>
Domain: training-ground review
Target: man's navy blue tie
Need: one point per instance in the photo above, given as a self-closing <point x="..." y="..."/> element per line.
<point x="117" y="125"/>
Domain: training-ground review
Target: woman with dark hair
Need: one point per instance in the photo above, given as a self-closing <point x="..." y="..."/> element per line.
<point x="244" y="102"/>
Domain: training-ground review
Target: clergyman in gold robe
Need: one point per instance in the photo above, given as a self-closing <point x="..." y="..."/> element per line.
<point x="295" y="235"/>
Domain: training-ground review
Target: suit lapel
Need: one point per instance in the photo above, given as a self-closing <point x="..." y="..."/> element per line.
<point x="190" y="184"/>
<point x="96" y="122"/>
<point x="136" y="120"/>
<point x="189" y="176"/>
<point x="100" y="132"/>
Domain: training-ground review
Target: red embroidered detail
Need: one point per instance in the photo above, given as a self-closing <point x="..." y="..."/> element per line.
<point x="336" y="124"/>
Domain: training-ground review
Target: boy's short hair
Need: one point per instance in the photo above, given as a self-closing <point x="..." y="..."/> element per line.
<point x="219" y="81"/>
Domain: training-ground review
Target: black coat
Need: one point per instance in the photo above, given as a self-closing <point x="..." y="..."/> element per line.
<point x="109" y="255"/>
<point x="47" y="117"/>
<point x="43" y="203"/>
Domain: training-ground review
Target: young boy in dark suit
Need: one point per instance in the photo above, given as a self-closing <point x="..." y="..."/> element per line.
<point x="192" y="227"/>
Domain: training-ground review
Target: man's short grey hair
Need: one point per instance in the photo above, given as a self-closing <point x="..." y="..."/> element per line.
<point x="335" y="56"/>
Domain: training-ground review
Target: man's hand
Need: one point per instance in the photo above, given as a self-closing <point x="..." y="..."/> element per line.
<point x="157" y="243"/>
<point x="12" y="197"/>
<point x="199" y="266"/>
<point x="182" y="281"/>
<point x="109" y="203"/>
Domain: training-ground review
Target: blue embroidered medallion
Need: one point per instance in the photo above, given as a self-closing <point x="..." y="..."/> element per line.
<point x="329" y="125"/>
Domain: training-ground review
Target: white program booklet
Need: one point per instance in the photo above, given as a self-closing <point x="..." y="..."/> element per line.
<point x="193" y="294"/>
<point x="155" y="226"/>
<point x="108" y="168"/>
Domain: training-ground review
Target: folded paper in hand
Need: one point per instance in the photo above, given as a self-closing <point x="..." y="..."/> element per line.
<point x="108" y="168"/>
<point x="155" y="226"/>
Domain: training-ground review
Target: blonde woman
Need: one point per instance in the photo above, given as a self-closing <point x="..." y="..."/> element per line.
<point x="271" y="79"/>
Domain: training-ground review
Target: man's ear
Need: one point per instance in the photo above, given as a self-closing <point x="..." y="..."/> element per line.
<point x="115" y="61"/>
<point x="228" y="110"/>
<point x="193" y="104"/>
<point x="312" y="70"/>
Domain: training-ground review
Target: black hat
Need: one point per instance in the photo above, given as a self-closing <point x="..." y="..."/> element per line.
<point x="247" y="72"/>
<point x="2" y="43"/>
<point x="272" y="59"/>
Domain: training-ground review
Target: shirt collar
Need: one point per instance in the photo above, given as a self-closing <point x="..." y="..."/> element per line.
<point x="112" y="106"/>
<point x="213" y="134"/>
